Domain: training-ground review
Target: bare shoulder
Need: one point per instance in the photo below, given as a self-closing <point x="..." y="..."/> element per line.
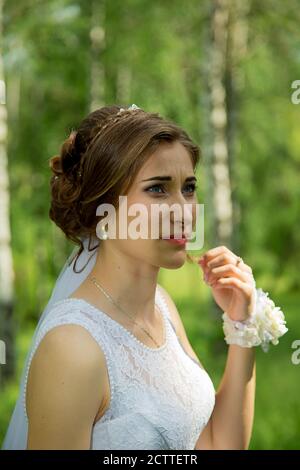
<point x="70" y="346"/>
<point x="65" y="389"/>
<point x="178" y="324"/>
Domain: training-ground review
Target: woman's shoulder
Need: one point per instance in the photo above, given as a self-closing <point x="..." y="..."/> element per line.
<point x="71" y="310"/>
<point x="68" y="335"/>
<point x="67" y="342"/>
<point x="73" y="317"/>
<point x="71" y="343"/>
<point x="65" y="383"/>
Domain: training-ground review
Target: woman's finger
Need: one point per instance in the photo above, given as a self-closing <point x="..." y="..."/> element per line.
<point x="228" y="270"/>
<point x="235" y="284"/>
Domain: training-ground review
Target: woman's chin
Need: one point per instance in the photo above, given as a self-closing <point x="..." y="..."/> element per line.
<point x="174" y="260"/>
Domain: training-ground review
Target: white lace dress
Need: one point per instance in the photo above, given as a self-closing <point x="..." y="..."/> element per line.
<point x="159" y="398"/>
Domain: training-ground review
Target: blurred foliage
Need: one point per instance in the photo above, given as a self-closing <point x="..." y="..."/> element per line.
<point x="161" y="45"/>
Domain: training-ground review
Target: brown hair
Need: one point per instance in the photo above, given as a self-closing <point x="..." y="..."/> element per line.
<point x="99" y="161"/>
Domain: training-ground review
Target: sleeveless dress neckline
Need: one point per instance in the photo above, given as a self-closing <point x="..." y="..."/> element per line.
<point x="162" y="306"/>
<point x="166" y="396"/>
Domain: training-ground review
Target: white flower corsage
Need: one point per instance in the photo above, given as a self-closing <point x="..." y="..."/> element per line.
<point x="265" y="324"/>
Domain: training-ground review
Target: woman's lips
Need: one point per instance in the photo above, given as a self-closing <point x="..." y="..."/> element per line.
<point x="178" y="241"/>
<point x="175" y="241"/>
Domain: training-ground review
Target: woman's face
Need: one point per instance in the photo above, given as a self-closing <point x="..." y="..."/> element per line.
<point x="173" y="161"/>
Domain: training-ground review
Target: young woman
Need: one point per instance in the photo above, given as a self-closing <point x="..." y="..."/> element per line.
<point x="110" y="365"/>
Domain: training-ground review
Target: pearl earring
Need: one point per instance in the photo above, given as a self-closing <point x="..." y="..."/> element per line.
<point x="102" y="234"/>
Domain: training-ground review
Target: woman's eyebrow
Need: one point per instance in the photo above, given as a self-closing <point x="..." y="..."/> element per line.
<point x="169" y="178"/>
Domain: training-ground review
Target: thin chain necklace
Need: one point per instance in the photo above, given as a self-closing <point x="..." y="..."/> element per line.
<point x="93" y="279"/>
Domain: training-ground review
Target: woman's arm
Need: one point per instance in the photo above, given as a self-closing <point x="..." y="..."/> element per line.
<point x="230" y="425"/>
<point x="64" y="390"/>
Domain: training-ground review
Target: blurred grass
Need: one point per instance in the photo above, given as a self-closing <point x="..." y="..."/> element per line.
<point x="10" y="392"/>
<point x="277" y="411"/>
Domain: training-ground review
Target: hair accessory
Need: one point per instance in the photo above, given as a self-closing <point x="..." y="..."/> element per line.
<point x="130" y="108"/>
<point x="73" y="133"/>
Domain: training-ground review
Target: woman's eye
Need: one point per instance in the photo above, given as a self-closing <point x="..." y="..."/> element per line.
<point x="192" y="187"/>
<point x="155" y="186"/>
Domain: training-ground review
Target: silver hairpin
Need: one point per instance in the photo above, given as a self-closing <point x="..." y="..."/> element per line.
<point x="134" y="106"/>
<point x="131" y="108"/>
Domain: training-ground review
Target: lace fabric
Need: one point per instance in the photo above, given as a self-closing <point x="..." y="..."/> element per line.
<point x="160" y="398"/>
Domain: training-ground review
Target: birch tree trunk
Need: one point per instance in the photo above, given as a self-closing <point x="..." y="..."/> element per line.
<point x="97" y="37"/>
<point x="225" y="44"/>
<point x="6" y="261"/>
<point x="221" y="184"/>
<point x="237" y="49"/>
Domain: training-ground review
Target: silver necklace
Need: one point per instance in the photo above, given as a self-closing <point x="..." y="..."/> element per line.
<point x="93" y="279"/>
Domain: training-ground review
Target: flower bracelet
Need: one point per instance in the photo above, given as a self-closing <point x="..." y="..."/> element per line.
<point x="265" y="324"/>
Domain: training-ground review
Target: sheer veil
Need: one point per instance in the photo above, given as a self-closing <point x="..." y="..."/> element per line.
<point x="66" y="283"/>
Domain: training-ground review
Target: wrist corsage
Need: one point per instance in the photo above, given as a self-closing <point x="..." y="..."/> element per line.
<point x="265" y="324"/>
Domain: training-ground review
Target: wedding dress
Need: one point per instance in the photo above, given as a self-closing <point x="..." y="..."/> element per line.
<point x="160" y="398"/>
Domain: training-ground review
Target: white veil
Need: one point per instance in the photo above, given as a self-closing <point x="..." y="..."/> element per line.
<point x="66" y="283"/>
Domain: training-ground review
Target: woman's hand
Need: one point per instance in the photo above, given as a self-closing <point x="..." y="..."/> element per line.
<point x="233" y="285"/>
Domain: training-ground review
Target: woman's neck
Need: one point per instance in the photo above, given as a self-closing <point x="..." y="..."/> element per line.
<point x="130" y="282"/>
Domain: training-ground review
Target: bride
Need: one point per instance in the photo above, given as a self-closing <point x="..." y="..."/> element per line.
<point x="110" y="364"/>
